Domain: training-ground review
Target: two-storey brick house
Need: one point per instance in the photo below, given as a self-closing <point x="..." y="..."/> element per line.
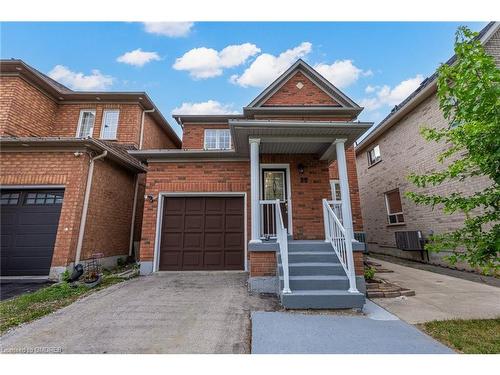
<point x="69" y="188"/>
<point x="254" y="192"/>
<point x="394" y="225"/>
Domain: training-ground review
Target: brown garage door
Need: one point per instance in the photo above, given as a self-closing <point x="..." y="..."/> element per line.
<point x="202" y="233"/>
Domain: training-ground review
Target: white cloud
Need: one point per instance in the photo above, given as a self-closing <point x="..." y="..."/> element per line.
<point x="341" y="73"/>
<point x="370" y="89"/>
<point x="207" y="62"/>
<point x="138" y="57"/>
<point x="266" y="67"/>
<point x="170" y="29"/>
<point x="210" y="107"/>
<point x="79" y="81"/>
<point x="386" y="95"/>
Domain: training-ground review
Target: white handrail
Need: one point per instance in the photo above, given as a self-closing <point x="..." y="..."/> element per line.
<point x="336" y="234"/>
<point x="282" y="238"/>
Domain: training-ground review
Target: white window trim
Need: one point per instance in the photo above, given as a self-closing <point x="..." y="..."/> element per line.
<point x="334" y="191"/>
<point x="217" y="131"/>
<point x="80" y="118"/>
<point x="104" y="119"/>
<point x="394" y="213"/>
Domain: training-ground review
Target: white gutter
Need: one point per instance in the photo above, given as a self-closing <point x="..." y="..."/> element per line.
<point x="86" y="205"/>
<point x="132" y="224"/>
<point x="142" y="126"/>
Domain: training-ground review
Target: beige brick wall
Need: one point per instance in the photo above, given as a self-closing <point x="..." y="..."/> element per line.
<point x="403" y="151"/>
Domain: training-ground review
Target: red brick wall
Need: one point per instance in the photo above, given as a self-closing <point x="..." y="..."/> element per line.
<point x="262" y="263"/>
<point x="310" y="94"/>
<point x="307" y="196"/>
<point x="352" y="177"/>
<point x="154" y="135"/>
<point x="109" y="215"/>
<point x="189" y="177"/>
<point x="193" y="136"/>
<point x="24" y="110"/>
<point x="129" y="121"/>
<point x="33" y="168"/>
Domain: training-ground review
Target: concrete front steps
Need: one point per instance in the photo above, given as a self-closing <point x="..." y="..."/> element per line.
<point x="317" y="279"/>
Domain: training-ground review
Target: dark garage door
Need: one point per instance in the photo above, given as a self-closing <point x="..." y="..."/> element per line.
<point x="202" y="233"/>
<point x="29" y="220"/>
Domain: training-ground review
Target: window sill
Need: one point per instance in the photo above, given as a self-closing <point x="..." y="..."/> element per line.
<point x="396" y="225"/>
<point x="374" y="164"/>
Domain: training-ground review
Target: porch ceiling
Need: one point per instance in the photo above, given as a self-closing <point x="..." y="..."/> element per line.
<point x="295" y="137"/>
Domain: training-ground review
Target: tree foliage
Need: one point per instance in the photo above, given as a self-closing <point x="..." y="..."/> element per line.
<point x="468" y="94"/>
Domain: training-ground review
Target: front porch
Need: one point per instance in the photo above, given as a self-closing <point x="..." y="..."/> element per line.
<point x="295" y="227"/>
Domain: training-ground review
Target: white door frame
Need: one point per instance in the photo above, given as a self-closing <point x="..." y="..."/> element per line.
<point x="285" y="166"/>
<point x="159" y="217"/>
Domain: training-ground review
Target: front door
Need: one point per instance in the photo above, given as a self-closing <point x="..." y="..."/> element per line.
<point x="274" y="187"/>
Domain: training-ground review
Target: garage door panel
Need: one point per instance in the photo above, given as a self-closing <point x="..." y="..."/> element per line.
<point x="234" y="223"/>
<point x="193" y="241"/>
<point x="233" y="241"/>
<point x="212" y="233"/>
<point x="214" y="258"/>
<point x="29" y="232"/>
<point x="173" y="223"/>
<point x="193" y="223"/>
<point x="194" y="205"/>
<point x="214" y="241"/>
<point x="233" y="260"/>
<point x="192" y="259"/>
<point x="174" y="206"/>
<point x="214" y="223"/>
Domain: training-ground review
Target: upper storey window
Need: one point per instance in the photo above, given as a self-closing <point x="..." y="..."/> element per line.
<point x="109" y="124"/>
<point x="217" y="139"/>
<point x="374" y="155"/>
<point x="86" y="123"/>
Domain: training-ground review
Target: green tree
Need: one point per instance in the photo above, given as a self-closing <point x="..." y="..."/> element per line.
<point x="468" y="94"/>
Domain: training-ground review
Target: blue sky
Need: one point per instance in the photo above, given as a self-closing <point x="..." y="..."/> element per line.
<point x="186" y="67"/>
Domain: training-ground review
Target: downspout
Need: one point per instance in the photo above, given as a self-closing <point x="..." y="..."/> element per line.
<point x="86" y="205"/>
<point x="134" y="208"/>
<point x="142" y="126"/>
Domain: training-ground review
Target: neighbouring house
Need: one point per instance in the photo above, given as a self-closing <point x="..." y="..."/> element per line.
<point x="393" y="224"/>
<point x="69" y="188"/>
<point x="272" y="191"/>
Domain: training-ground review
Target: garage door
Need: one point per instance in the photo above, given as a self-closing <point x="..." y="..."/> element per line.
<point x="202" y="233"/>
<point x="29" y="220"/>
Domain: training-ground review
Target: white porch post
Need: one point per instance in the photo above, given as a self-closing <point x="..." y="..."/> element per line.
<point x="346" y="210"/>
<point x="254" y="188"/>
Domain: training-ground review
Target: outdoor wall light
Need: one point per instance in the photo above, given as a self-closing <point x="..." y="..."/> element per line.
<point x="149" y="197"/>
<point x="301" y="168"/>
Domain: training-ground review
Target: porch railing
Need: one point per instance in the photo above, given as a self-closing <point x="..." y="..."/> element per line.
<point x="337" y="209"/>
<point x="282" y="239"/>
<point x="341" y="242"/>
<point x="268" y="219"/>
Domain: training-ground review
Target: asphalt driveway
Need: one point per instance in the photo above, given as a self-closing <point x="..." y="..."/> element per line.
<point x="174" y="312"/>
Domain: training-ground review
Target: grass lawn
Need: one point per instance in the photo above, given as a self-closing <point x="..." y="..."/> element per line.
<point x="31" y="306"/>
<point x="475" y="336"/>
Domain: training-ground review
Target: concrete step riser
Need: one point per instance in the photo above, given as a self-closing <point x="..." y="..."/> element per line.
<point x="310" y="247"/>
<point x="317" y="284"/>
<point x="316" y="258"/>
<point x="314" y="270"/>
<point x="322" y="302"/>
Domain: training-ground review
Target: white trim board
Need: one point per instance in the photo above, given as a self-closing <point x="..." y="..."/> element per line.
<point x="159" y="217"/>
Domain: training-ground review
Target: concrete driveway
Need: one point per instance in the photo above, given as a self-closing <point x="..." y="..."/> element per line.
<point x="174" y="312"/>
<point x="438" y="297"/>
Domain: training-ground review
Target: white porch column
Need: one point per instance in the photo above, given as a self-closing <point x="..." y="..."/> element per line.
<point x="254" y="188"/>
<point x="346" y="210"/>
